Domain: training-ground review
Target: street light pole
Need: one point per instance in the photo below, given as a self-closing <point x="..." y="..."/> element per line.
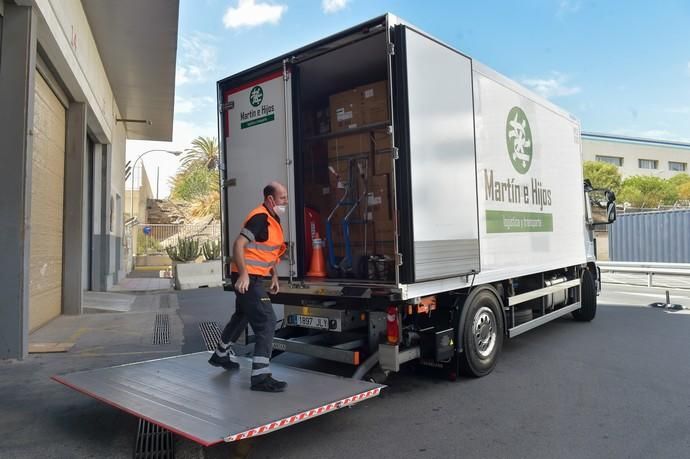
<point x="134" y="168"/>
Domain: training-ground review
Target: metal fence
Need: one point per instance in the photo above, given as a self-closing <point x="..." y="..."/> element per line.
<point x="678" y="205"/>
<point x="153" y="239"/>
<point x="661" y="237"/>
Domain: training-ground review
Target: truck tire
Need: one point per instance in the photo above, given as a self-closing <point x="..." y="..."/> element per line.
<point x="482" y="334"/>
<point x="588" y="299"/>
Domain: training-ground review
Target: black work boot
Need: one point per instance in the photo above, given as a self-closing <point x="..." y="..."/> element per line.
<point x="224" y="362"/>
<point x="268" y="384"/>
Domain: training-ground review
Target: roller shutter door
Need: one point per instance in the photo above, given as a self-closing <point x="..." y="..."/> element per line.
<point x="47" y="194"/>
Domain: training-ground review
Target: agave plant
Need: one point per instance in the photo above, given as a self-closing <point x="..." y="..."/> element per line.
<point x="211" y="250"/>
<point x="186" y="249"/>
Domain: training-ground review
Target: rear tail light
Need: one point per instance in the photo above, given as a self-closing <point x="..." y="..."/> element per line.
<point x="392" y="325"/>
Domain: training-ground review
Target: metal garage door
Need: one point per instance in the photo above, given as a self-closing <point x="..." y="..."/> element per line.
<point x="47" y="192"/>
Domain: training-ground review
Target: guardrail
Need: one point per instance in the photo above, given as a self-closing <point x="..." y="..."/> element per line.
<point x="648" y="268"/>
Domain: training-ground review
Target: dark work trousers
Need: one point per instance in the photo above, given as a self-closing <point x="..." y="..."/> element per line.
<point x="253" y="307"/>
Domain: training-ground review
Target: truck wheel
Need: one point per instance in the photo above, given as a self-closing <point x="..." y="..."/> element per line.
<point x="588" y="299"/>
<point x="482" y="335"/>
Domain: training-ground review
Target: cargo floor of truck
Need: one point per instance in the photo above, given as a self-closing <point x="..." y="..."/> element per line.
<point x="209" y="405"/>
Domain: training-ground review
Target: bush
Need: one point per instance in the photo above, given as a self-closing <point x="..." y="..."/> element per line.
<point x="647" y="191"/>
<point x="147" y="244"/>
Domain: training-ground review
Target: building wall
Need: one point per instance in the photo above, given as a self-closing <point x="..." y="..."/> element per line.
<point x="66" y="38"/>
<point x="631" y="153"/>
<point x="116" y="269"/>
<point x="54" y="37"/>
<point x="66" y="41"/>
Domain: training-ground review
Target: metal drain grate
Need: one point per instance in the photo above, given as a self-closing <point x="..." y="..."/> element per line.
<point x="161" y="329"/>
<point x="211" y="334"/>
<point x="153" y="442"/>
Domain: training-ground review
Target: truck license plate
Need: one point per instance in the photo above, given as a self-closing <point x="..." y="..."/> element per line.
<point x="308" y="322"/>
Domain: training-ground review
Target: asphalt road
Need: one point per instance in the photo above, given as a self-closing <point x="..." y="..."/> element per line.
<point x="615" y="387"/>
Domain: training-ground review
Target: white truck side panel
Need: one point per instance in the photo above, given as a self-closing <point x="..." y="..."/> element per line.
<point x="529" y="178"/>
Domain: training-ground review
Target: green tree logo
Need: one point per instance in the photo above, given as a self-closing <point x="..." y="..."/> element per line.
<point x="256" y="96"/>
<point x="519" y="140"/>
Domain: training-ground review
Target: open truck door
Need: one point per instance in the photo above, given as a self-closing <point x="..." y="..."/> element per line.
<point x="436" y="171"/>
<point x="256" y="144"/>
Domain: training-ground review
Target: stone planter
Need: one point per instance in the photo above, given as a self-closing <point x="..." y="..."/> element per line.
<point x="153" y="260"/>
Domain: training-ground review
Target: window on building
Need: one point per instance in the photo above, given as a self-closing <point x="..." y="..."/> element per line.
<point x="677" y="167"/>
<point x="615" y="160"/>
<point x="648" y="163"/>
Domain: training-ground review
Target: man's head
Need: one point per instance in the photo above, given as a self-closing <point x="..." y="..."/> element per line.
<point x="275" y="197"/>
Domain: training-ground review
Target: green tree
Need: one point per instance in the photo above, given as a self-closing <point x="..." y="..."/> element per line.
<point x="647" y="191"/>
<point x="197" y="179"/>
<point x="602" y="175"/>
<point x="194" y="182"/>
<point x="204" y="151"/>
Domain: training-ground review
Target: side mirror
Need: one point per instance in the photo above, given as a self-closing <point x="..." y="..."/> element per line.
<point x="603" y="205"/>
<point x="611" y="210"/>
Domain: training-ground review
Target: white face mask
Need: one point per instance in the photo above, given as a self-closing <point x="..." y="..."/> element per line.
<point x="280" y="210"/>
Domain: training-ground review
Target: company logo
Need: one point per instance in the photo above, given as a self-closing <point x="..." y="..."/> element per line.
<point x="519" y="140"/>
<point x="256" y="96"/>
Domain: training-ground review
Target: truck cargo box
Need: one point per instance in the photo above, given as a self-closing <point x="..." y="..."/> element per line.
<point x="427" y="170"/>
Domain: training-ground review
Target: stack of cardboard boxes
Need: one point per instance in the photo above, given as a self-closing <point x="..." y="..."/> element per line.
<point x="357" y="164"/>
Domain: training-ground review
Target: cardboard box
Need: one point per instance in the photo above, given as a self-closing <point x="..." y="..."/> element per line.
<point x="374" y="101"/>
<point x="349" y="145"/>
<point x="378" y="199"/>
<point x="338" y="179"/>
<point x="381" y="140"/>
<point x="379" y="208"/>
<point x="345" y="110"/>
<point x="383" y="161"/>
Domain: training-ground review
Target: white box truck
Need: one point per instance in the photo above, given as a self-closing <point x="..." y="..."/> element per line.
<point x="451" y="199"/>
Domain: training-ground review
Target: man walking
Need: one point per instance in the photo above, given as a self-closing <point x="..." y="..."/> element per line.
<point x="256" y="254"/>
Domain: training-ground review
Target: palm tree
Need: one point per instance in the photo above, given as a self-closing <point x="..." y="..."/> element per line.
<point x="204" y="151"/>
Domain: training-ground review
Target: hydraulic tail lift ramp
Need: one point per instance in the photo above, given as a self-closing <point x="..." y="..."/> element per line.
<point x="209" y="405"/>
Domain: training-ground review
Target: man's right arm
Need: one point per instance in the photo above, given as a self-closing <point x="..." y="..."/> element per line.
<point x="238" y="253"/>
<point x="242" y="283"/>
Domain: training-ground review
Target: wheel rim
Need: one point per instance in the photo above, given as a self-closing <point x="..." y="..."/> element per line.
<point x="484" y="331"/>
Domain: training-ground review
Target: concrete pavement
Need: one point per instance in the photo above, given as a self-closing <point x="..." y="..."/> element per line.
<point x="615" y="387"/>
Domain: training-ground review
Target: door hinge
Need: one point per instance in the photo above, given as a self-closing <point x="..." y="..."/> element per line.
<point x="391" y="49"/>
<point x="400" y="259"/>
<point x="286" y="70"/>
<point x="396" y="153"/>
<point x="227" y="106"/>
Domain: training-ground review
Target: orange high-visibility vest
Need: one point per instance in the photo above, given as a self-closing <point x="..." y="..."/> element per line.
<point x="259" y="257"/>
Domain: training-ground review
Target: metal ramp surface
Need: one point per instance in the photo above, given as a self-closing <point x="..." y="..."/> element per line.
<point x="209" y="405"/>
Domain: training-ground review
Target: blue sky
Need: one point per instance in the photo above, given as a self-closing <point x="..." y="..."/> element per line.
<point x="621" y="67"/>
